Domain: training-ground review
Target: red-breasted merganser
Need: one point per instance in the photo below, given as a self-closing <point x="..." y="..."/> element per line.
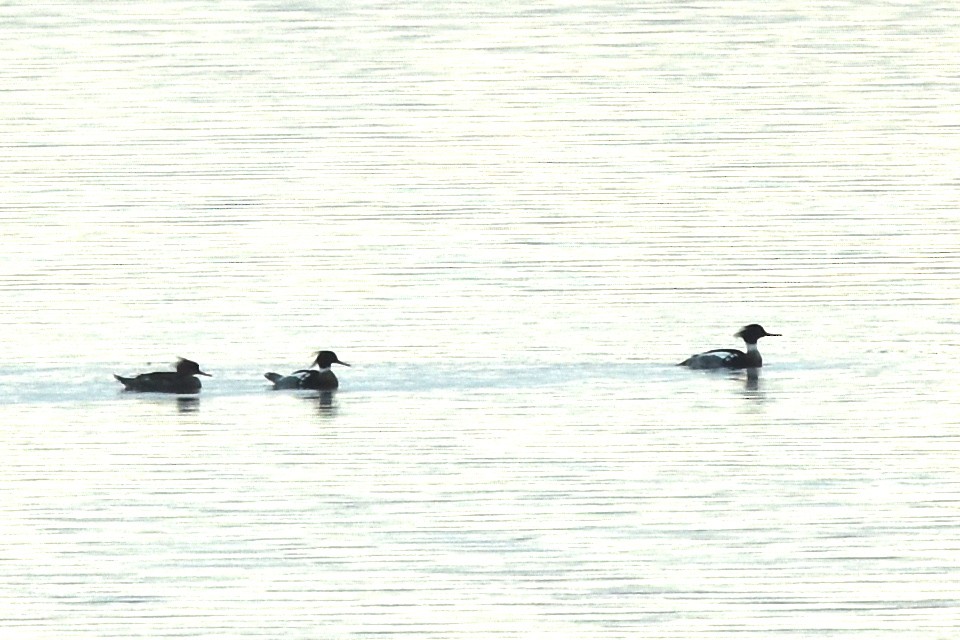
<point x="732" y="358"/>
<point x="323" y="379"/>
<point x="183" y="380"/>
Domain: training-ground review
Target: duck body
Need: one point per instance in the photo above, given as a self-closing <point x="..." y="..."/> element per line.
<point x="732" y="358"/>
<point x="723" y="359"/>
<point x="183" y="380"/>
<point x="322" y="379"/>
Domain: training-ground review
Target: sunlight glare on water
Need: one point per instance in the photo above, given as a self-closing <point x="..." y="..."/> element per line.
<point x="512" y="222"/>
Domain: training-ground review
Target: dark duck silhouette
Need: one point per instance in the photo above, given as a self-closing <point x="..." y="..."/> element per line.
<point x="324" y="380"/>
<point x="732" y="358"/>
<point x="183" y="380"/>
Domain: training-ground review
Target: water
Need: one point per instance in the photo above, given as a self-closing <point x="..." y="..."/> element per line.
<point x="512" y="222"/>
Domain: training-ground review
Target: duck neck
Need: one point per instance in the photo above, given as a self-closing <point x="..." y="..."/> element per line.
<point x="753" y="355"/>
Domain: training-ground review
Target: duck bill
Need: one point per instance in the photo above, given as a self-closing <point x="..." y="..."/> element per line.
<point x="343" y="363"/>
<point x="773" y="335"/>
<point x="201" y="373"/>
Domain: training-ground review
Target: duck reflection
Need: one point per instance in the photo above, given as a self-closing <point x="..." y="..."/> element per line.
<point x="188" y="404"/>
<point x="752" y="389"/>
<point x="323" y="402"/>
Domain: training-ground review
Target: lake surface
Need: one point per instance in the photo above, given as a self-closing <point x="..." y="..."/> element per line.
<point x="512" y="222"/>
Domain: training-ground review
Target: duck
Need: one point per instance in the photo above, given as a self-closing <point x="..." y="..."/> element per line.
<point x="324" y="379"/>
<point x="732" y="358"/>
<point x="183" y="380"/>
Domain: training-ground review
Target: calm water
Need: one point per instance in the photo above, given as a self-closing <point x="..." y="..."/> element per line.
<point x="512" y="222"/>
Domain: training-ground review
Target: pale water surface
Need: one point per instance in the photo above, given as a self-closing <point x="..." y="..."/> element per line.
<point x="512" y="221"/>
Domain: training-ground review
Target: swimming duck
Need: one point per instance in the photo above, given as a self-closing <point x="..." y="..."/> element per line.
<point x="732" y="358"/>
<point x="183" y="380"/>
<point x="323" y="379"/>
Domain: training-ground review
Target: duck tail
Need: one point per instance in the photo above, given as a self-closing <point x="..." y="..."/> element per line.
<point x="272" y="377"/>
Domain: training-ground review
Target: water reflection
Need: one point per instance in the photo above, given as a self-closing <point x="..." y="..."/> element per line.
<point x="188" y="404"/>
<point x="185" y="403"/>
<point x="752" y="387"/>
<point x="325" y="405"/>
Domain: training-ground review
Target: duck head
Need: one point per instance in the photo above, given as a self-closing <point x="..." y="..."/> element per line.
<point x="753" y="332"/>
<point x="189" y="368"/>
<point x="325" y="358"/>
